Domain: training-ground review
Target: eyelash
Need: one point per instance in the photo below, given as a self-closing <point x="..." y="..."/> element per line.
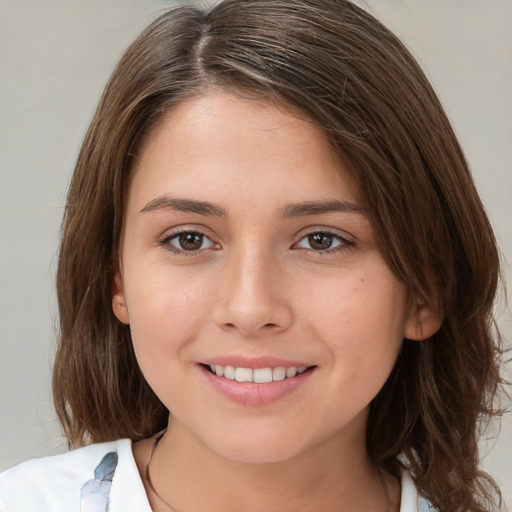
<point x="344" y="243"/>
<point x="166" y="242"/>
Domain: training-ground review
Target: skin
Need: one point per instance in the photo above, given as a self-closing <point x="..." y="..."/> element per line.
<point x="257" y="286"/>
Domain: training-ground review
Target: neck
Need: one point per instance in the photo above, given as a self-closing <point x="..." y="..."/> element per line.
<point x="336" y="475"/>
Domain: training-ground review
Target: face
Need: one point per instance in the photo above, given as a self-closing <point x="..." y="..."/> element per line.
<point x="245" y="256"/>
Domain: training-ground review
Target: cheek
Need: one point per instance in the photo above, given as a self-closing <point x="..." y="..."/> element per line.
<point x="166" y="315"/>
<point x="167" y="310"/>
<point x="368" y="308"/>
<point x="361" y="323"/>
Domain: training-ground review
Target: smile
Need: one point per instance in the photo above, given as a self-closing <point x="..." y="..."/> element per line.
<point x="257" y="375"/>
<point x="263" y="384"/>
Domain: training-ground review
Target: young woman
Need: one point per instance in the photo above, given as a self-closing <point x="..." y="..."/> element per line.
<point x="275" y="281"/>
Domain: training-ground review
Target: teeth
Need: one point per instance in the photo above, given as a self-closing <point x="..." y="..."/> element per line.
<point x="259" y="375"/>
<point x="279" y="373"/>
<point x="262" y="375"/>
<point x="291" y="372"/>
<point x="229" y="372"/>
<point x="243" y="375"/>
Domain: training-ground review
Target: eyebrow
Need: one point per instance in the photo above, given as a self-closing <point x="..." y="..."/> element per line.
<point x="288" y="211"/>
<point x="319" y="207"/>
<point x="184" y="205"/>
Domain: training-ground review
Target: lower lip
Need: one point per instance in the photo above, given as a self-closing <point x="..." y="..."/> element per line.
<point x="250" y="393"/>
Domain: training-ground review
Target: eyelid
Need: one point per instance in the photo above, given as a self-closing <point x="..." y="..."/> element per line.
<point x="345" y="235"/>
<point x="170" y="234"/>
<point x="346" y="240"/>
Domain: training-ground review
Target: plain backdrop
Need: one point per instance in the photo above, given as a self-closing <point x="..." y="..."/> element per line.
<point x="55" y="57"/>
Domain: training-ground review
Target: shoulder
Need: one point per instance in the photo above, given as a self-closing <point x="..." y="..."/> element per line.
<point x="54" y="484"/>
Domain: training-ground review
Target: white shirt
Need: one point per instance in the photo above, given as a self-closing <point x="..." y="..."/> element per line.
<point x="67" y="483"/>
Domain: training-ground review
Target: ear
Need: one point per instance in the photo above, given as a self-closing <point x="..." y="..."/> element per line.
<point x="118" y="300"/>
<point x="422" y="322"/>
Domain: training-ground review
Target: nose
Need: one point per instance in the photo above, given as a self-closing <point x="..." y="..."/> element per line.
<point x="252" y="296"/>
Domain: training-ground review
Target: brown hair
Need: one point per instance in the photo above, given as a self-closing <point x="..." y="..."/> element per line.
<point x="345" y="72"/>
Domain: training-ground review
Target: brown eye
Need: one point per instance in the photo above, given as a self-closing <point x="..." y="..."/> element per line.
<point x="323" y="241"/>
<point x="320" y="241"/>
<point x="189" y="241"/>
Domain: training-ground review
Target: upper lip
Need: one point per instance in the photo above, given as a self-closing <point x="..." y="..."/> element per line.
<point x="239" y="361"/>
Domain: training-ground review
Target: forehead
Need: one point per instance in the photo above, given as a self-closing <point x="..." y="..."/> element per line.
<point x="218" y="137"/>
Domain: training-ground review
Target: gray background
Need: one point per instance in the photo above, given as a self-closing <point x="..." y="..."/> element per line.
<point x="55" y="57"/>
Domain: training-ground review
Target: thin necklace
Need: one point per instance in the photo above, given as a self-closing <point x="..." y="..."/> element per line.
<point x="154" y="491"/>
<point x="146" y="470"/>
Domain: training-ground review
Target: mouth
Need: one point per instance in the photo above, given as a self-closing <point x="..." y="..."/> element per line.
<point x="257" y="375"/>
